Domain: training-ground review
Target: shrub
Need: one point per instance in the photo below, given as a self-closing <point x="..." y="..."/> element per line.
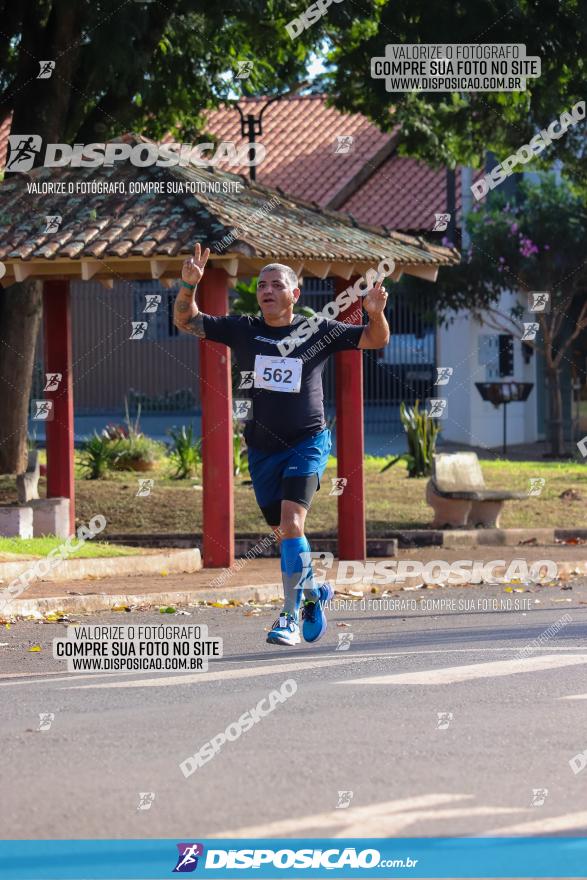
<point x="422" y="433"/>
<point x="185" y="453"/>
<point x="98" y="455"/>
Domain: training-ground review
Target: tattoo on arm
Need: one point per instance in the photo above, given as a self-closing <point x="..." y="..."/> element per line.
<point x="196" y="326"/>
<point x="182" y="306"/>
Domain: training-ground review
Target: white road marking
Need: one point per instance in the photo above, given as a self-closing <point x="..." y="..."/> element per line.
<point x="36" y="677"/>
<point x="452" y="674"/>
<point x="574" y="697"/>
<point x="375" y="820"/>
<point x="203" y="677"/>
<point x="546" y="825"/>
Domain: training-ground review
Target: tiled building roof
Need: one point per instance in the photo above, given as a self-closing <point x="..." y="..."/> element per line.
<point x="371" y="181"/>
<point x="107" y="228"/>
<point x="301" y="134"/>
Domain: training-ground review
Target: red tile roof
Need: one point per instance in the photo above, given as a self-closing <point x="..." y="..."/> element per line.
<point x="401" y="194"/>
<point x="300" y="135"/>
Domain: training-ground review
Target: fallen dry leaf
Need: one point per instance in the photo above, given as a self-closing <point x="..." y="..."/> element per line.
<point x="571" y="495"/>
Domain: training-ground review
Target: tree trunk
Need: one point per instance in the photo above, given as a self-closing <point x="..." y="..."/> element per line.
<point x="20" y="317"/>
<point x="556" y="433"/>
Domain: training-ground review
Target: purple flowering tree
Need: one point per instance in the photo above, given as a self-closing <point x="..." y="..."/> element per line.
<point x="536" y="243"/>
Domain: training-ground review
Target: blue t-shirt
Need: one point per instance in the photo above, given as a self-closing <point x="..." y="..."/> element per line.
<point x="279" y="419"/>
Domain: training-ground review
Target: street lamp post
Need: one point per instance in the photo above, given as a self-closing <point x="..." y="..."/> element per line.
<point x="499" y="393"/>
<point x="251" y="126"/>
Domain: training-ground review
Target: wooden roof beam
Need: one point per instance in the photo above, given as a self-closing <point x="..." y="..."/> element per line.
<point x="428" y="273"/>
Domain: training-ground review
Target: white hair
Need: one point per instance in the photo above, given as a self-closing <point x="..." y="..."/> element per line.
<point x="287" y="271"/>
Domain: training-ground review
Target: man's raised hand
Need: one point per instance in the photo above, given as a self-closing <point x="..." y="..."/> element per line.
<point x="375" y="300"/>
<point x="193" y="268"/>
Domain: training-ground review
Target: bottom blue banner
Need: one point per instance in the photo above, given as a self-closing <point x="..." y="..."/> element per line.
<point x="513" y="857"/>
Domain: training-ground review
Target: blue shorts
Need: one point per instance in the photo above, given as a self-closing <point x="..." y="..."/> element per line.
<point x="269" y="469"/>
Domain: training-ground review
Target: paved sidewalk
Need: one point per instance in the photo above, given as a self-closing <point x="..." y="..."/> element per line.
<point x="257" y="579"/>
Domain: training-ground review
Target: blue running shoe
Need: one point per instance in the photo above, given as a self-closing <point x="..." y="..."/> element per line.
<point x="285" y="631"/>
<point x="314" y="621"/>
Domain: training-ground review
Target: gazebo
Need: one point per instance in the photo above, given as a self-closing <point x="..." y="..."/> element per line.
<point x="142" y="226"/>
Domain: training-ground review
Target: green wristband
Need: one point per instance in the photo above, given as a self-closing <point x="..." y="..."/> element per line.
<point x="189" y="286"/>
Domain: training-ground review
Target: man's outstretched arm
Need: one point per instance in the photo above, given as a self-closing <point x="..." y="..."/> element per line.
<point x="376" y="333"/>
<point x="186" y="315"/>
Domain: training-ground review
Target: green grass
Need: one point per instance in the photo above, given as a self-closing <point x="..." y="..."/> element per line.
<point x="393" y="501"/>
<point x="42" y="546"/>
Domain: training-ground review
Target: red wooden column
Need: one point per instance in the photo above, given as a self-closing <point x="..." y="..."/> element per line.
<point x="59" y="429"/>
<point x="352" y="537"/>
<point x="216" y="397"/>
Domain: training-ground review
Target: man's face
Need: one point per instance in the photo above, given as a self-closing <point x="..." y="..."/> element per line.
<point x="274" y="294"/>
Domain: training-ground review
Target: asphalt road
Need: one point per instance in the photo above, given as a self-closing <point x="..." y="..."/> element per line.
<point x="363" y="720"/>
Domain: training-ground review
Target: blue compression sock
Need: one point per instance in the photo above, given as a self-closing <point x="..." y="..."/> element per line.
<point x="292" y="572"/>
<point x="311" y="591"/>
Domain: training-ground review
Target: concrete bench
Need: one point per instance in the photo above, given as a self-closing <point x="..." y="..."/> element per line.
<point x="457" y="493"/>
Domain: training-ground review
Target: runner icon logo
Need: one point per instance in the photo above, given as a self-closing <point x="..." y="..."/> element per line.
<point x="188" y="857"/>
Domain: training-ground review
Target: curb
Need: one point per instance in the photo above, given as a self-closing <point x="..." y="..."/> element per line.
<point x="405" y="538"/>
<point x="173" y="561"/>
<point x="92" y="602"/>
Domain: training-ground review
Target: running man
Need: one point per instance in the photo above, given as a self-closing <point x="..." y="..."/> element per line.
<point x="288" y="442"/>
